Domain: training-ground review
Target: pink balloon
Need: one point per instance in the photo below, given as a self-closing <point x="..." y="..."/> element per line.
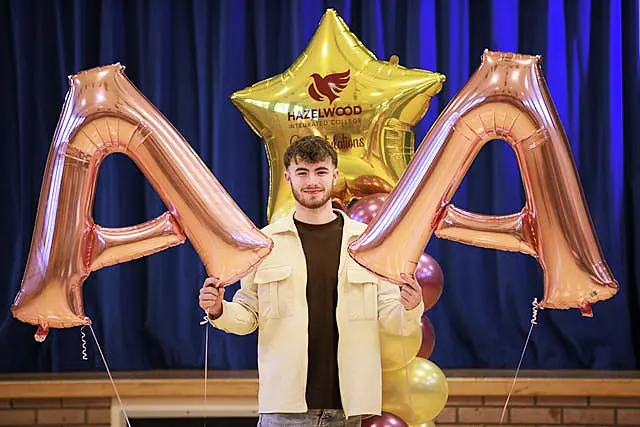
<point x="428" y="338"/>
<point x="365" y="209"/>
<point x="431" y="279"/>
<point x="554" y="225"/>
<point x="384" y="420"/>
<point x="103" y="113"/>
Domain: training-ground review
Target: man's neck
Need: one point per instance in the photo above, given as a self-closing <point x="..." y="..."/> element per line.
<point x="321" y="215"/>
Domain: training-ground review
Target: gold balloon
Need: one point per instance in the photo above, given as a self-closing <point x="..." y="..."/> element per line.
<point x="427" y="424"/>
<point x="337" y="89"/>
<point x="392" y="354"/>
<point x="416" y="394"/>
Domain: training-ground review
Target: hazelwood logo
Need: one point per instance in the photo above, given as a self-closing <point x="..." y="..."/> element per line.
<point x="328" y="86"/>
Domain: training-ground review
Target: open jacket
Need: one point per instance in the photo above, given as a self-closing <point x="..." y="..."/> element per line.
<point x="273" y="299"/>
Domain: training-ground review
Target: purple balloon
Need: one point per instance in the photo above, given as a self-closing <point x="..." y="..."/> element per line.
<point x="365" y="209"/>
<point x="428" y="338"/>
<point x="431" y="279"/>
<point x="385" y="420"/>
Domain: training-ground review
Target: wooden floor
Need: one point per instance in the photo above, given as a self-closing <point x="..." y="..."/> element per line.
<point x="244" y="383"/>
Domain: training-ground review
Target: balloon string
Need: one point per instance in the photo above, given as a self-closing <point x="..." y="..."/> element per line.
<point x="404" y="357"/>
<point x="83" y="338"/>
<point x="205" y="321"/>
<point x="534" y="317"/>
<point x="115" y="389"/>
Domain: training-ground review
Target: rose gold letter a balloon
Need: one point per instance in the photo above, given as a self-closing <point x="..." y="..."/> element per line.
<point x="506" y="98"/>
<point x="105" y="113"/>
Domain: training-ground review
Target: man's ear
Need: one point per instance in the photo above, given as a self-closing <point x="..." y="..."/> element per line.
<point x="287" y="177"/>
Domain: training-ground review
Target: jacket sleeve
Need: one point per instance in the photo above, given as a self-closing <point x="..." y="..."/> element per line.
<point x="240" y="316"/>
<point x="392" y="315"/>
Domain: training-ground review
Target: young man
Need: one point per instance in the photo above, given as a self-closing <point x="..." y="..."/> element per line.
<point x="318" y="312"/>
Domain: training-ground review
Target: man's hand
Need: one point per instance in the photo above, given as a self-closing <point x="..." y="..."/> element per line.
<point x="211" y="296"/>
<point x="410" y="292"/>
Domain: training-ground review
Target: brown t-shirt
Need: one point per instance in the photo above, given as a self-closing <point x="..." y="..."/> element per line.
<point x="321" y="245"/>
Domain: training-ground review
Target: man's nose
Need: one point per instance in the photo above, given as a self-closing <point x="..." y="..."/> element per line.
<point x="314" y="179"/>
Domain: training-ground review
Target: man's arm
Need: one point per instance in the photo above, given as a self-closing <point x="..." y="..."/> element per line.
<point x="240" y="316"/>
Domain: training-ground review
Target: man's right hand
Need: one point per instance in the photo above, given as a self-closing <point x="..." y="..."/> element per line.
<point x="211" y="296"/>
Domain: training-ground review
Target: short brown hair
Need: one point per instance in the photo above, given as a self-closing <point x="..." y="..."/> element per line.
<point x="311" y="149"/>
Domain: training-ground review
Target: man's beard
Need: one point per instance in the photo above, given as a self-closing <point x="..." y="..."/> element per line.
<point x="319" y="201"/>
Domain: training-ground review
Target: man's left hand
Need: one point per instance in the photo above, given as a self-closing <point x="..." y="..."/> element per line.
<point x="410" y="292"/>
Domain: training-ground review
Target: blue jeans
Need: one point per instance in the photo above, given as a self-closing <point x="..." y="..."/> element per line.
<point x="312" y="418"/>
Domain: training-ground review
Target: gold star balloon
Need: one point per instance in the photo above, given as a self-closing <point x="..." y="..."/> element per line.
<point x="337" y="89"/>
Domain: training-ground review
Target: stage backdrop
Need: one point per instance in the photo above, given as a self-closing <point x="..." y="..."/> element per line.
<point x="187" y="57"/>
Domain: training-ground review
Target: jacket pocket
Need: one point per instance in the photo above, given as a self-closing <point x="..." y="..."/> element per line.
<point x="362" y="294"/>
<point x="273" y="296"/>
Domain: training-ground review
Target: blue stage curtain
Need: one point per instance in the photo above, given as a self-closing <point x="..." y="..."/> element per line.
<point x="188" y="56"/>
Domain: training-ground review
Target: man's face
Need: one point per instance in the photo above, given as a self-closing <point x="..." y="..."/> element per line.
<point x="311" y="183"/>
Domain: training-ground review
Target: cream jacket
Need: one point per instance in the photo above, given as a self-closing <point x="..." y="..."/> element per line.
<point x="273" y="299"/>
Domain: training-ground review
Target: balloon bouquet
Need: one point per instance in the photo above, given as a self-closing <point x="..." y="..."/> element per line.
<point x="366" y="108"/>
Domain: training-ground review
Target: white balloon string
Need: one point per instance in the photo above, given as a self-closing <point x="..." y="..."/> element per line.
<point x="115" y="389"/>
<point x="534" y="317"/>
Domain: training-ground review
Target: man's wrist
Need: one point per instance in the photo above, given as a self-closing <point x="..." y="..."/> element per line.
<point x="214" y="316"/>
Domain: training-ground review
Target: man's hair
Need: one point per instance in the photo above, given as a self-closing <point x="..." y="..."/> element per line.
<point x="312" y="149"/>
